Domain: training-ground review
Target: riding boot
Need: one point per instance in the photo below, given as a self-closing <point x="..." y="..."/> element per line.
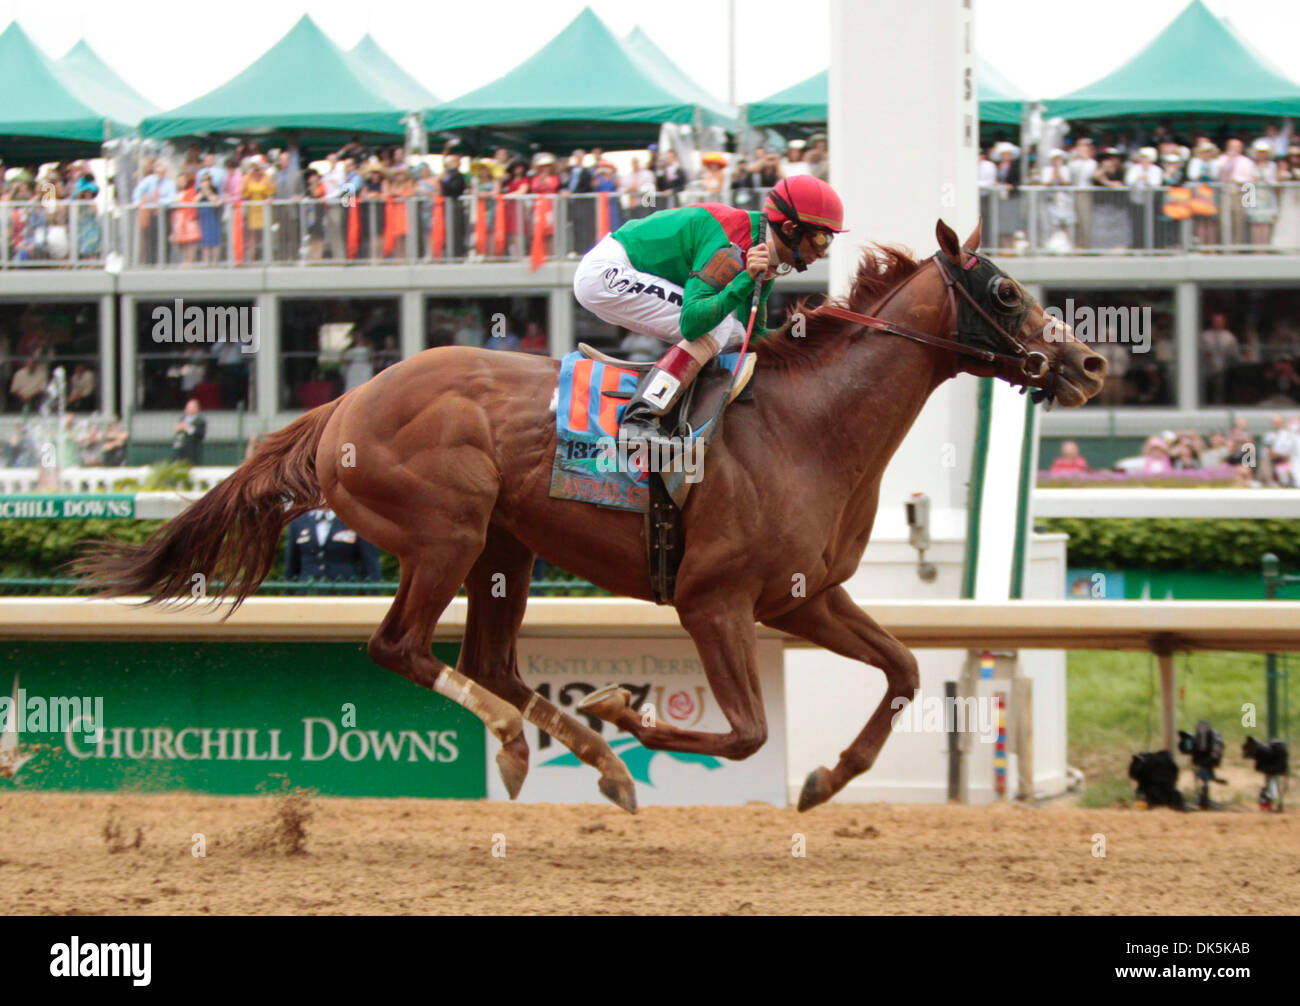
<point x="658" y="392"/>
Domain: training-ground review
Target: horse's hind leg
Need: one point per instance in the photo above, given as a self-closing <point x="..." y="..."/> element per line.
<point x="498" y="594"/>
<point x="403" y="642"/>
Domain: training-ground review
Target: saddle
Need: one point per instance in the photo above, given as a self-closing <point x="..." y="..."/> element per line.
<point x="589" y="466"/>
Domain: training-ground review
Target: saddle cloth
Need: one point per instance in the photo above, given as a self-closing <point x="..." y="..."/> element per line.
<point x="589" y="402"/>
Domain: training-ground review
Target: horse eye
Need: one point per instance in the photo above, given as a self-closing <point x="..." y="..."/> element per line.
<point x="1006" y="292"/>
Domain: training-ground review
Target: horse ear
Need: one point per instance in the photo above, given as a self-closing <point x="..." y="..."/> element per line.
<point x="948" y="242"/>
<point x="973" y="242"/>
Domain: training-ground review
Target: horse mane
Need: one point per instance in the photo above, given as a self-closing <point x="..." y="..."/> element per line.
<point x="882" y="268"/>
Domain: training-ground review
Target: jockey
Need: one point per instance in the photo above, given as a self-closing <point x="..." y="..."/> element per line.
<point x="687" y="276"/>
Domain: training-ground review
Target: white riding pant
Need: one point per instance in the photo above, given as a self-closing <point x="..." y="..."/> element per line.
<point x="608" y="285"/>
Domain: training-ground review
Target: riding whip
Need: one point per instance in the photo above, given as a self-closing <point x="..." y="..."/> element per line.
<point x="753" y="307"/>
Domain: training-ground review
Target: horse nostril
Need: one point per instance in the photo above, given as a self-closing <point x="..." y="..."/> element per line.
<point x="1094" y="365"/>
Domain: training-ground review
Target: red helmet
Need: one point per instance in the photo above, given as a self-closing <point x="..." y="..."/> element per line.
<point x="806" y="200"/>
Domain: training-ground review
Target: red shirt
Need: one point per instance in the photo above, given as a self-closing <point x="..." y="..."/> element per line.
<point x="1064" y="465"/>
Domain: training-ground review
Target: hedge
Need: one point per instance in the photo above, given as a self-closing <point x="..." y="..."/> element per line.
<point x="1189" y="543"/>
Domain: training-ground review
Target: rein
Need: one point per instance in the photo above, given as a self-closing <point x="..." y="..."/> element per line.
<point x="1032" y="366"/>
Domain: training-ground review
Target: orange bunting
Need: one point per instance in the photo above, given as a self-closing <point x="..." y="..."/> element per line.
<point x="354" y="228"/>
<point x="1176" y="203"/>
<point x="480" y="225"/>
<point x="438" y="229"/>
<point x="390" y="227"/>
<point x="602" y="216"/>
<point x="541" y="220"/>
<point x="499" y="227"/>
<point x="237" y="233"/>
<point x="1202" y="204"/>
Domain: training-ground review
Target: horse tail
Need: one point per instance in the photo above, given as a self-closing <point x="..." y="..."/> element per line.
<point x="222" y="546"/>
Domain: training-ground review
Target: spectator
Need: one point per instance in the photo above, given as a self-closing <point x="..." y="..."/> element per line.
<point x="1282" y="443"/>
<point x="114" y="444"/>
<point x="191" y="428"/>
<point x="290" y="188"/>
<point x="1219" y="350"/>
<point x="503" y="337"/>
<point x="671" y="177"/>
<point x="1216" y="455"/>
<point x="986" y="172"/>
<point x="545" y="182"/>
<point x="1142" y="176"/>
<point x="641" y="198"/>
<point x="358" y="362"/>
<point x="1281" y="385"/>
<point x="607" y="181"/>
<point x="91" y="444"/>
<point x="185" y="221"/>
<point x="89" y="230"/>
<point x="794" y="159"/>
<point x="81" y="389"/>
<point x="535" y="340"/>
<point x="1286" y="234"/>
<point x="582" y="216"/>
<point x="209" y="200"/>
<point x="818" y="157"/>
<point x="401" y="203"/>
<point x="714" y="182"/>
<point x="1234" y="169"/>
<point x="1058" y="208"/>
<point x="153" y="191"/>
<point x="452" y="185"/>
<point x="388" y="355"/>
<point x="1082" y="166"/>
<point x="518" y="185"/>
<point x="319" y="546"/>
<point x="1261" y="214"/>
<point x="1070" y="460"/>
<point x="1007" y="186"/>
<point x="258" y="189"/>
<point x="29" y="382"/>
<point x="1155" y="457"/>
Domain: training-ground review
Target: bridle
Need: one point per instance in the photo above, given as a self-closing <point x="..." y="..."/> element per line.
<point x="975" y="332"/>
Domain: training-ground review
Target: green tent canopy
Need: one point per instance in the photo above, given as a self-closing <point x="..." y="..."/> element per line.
<point x="999" y="99"/>
<point x="382" y="74"/>
<point x="95" y="83"/>
<point x="42" y="118"/>
<point x="304" y="84"/>
<point x="712" y="111"/>
<point x="805" y="103"/>
<point x="1197" y="66"/>
<point x="583" y="88"/>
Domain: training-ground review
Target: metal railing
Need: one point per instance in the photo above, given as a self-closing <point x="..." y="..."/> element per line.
<point x="39" y="586"/>
<point x="1148" y="220"/>
<point x="487" y="227"/>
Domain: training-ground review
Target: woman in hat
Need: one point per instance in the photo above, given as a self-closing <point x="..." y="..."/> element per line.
<point x="1261" y="214"/>
<point x="1142" y="177"/>
<point x="487" y="185"/>
<point x="546" y="182"/>
<point x="1202" y="172"/>
<point x="89" y="232"/>
<point x="1058" y="217"/>
<point x="714" y="182"/>
<point x="1010" y="218"/>
<point x="688" y="277"/>
<point x="516" y="187"/>
<point x="374" y="189"/>
<point x="258" y="188"/>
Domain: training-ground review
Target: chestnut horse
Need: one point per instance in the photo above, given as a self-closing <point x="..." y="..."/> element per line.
<point x="445" y="461"/>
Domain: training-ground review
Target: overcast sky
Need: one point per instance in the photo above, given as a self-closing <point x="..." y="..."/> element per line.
<point x="172" y="52"/>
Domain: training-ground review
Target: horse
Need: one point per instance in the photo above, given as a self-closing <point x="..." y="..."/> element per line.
<point x="444" y="460"/>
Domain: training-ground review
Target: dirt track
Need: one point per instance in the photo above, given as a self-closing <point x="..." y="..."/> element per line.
<point x="435" y="857"/>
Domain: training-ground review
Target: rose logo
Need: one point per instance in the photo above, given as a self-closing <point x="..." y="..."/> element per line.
<point x="680" y="705"/>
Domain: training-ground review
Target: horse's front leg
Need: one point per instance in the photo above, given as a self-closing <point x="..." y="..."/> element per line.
<point x="728" y="646"/>
<point x="832" y="620"/>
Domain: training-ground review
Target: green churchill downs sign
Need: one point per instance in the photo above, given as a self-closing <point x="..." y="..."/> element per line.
<point x="229" y="718"/>
<point x="105" y="505"/>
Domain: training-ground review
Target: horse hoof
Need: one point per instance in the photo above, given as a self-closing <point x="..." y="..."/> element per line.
<point x="607" y="703"/>
<point x="816" y="788"/>
<point x="619" y="791"/>
<point x="512" y="763"/>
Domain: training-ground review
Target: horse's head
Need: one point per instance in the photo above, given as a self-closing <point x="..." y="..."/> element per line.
<point x="996" y="314"/>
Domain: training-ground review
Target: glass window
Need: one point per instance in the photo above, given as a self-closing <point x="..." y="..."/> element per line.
<point x="37" y="339"/>
<point x="516" y="323"/>
<point x="331" y="346"/>
<point x="1133" y="328"/>
<point x="173" y="366"/>
<point x="1249" y="345"/>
